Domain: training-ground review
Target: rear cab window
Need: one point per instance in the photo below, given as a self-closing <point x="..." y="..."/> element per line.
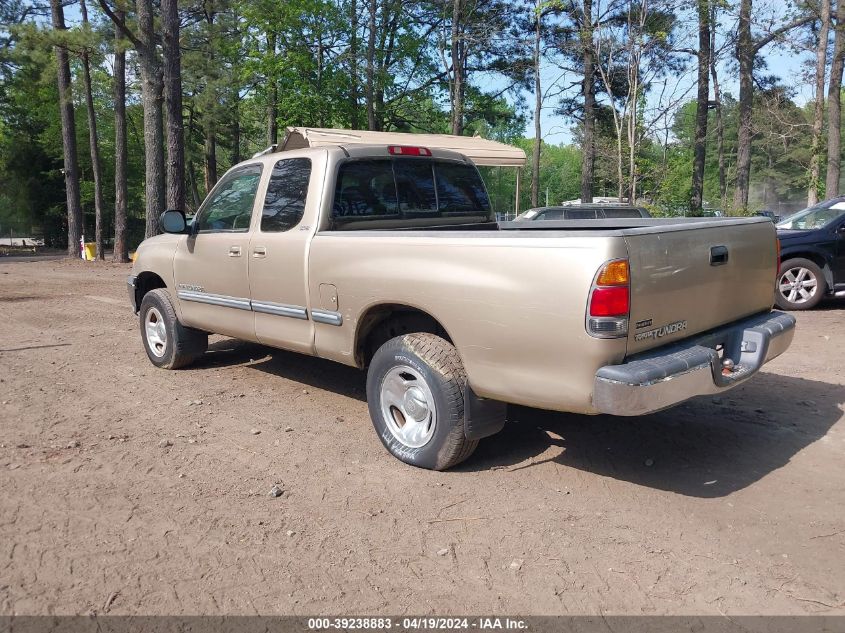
<point x="405" y="192"/>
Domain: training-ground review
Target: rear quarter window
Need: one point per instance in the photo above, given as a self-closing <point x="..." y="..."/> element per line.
<point x="284" y="202"/>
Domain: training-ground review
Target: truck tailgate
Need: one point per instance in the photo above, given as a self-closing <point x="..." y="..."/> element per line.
<point x="687" y="279"/>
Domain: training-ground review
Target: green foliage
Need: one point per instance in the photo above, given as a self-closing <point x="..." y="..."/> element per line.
<point x="560" y="177"/>
<point x="318" y="65"/>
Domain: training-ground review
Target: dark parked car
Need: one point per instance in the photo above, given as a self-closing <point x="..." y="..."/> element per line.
<point x="584" y="212"/>
<point x="812" y="255"/>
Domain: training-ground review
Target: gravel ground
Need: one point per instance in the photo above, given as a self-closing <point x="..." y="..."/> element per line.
<point x="131" y="490"/>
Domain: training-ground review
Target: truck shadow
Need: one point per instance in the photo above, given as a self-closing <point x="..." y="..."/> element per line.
<point x="305" y="370"/>
<point x="708" y="447"/>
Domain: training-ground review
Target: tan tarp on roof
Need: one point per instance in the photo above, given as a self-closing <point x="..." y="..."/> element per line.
<point x="481" y="151"/>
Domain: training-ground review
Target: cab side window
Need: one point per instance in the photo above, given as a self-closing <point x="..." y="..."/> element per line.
<point x="284" y="203"/>
<point x="229" y="207"/>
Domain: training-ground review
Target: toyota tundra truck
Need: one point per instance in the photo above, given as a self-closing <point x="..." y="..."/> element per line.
<point x="388" y="258"/>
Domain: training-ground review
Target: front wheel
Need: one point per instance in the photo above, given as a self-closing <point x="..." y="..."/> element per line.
<point x="168" y="343"/>
<point x="415" y="393"/>
<point x="801" y="284"/>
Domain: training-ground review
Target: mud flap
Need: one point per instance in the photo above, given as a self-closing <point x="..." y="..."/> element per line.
<point x="482" y="417"/>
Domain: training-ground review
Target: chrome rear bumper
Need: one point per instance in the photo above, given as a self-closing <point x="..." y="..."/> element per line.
<point x="669" y="375"/>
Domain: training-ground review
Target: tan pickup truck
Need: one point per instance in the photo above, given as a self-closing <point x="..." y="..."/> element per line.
<point x="387" y="258"/>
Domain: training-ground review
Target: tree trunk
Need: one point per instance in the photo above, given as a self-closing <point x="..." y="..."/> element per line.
<point x="210" y="115"/>
<point x="321" y="114"/>
<point x="195" y="193"/>
<point x="632" y="153"/>
<point x="272" y="98"/>
<point x="720" y="126"/>
<point x="818" y="110"/>
<point x="354" y="119"/>
<point x="121" y="249"/>
<point x="701" y="110"/>
<point x="371" y="62"/>
<point x="74" y="208"/>
<point x="391" y="16"/>
<point x="457" y="123"/>
<point x="96" y="165"/>
<point x="210" y="159"/>
<point x="588" y="149"/>
<point x="173" y="101"/>
<point x="236" y="130"/>
<point x="620" y="172"/>
<point x="745" y="56"/>
<point x="151" y="96"/>
<point x="636" y="28"/>
<point x="769" y="199"/>
<point x="538" y="108"/>
<point x="834" y="110"/>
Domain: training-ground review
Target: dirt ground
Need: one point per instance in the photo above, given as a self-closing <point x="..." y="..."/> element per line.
<point x="731" y="505"/>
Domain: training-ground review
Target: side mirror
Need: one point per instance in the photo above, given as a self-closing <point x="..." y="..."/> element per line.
<point x="173" y="221"/>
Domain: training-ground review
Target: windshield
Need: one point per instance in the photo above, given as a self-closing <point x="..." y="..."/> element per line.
<point x="815" y="217"/>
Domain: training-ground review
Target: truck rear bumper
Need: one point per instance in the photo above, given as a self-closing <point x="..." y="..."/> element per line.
<point x="667" y="376"/>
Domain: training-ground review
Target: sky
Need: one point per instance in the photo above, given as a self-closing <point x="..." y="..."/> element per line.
<point x="781" y="62"/>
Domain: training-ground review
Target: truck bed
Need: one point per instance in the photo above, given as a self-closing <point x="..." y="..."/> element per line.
<point x="677" y="288"/>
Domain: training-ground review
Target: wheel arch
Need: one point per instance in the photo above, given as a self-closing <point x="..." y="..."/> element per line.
<point x="144" y="282"/>
<point x="383" y="321"/>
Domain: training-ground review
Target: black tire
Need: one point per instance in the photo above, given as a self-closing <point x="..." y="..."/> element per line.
<point x="182" y="345"/>
<point x="786" y="275"/>
<point x="435" y="362"/>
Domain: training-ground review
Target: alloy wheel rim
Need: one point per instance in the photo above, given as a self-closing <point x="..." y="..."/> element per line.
<point x="407" y="406"/>
<point x="798" y="285"/>
<point x="156" y="332"/>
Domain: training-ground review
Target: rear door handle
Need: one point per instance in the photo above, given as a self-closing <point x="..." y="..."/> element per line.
<point x="259" y="251"/>
<point x="234" y="251"/>
<point x="718" y="255"/>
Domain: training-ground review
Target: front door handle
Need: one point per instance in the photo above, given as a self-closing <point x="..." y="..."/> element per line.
<point x="234" y="251"/>
<point x="259" y="251"/>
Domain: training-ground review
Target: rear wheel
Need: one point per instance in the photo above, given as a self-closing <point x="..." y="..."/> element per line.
<point x="415" y="393"/>
<point x="168" y="343"/>
<point x="801" y="284"/>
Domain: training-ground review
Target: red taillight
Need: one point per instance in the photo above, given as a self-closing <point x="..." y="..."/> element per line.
<point x="408" y="150"/>
<point x="611" y="301"/>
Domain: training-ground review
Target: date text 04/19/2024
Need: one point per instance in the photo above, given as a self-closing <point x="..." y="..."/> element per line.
<point x="417" y="623"/>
